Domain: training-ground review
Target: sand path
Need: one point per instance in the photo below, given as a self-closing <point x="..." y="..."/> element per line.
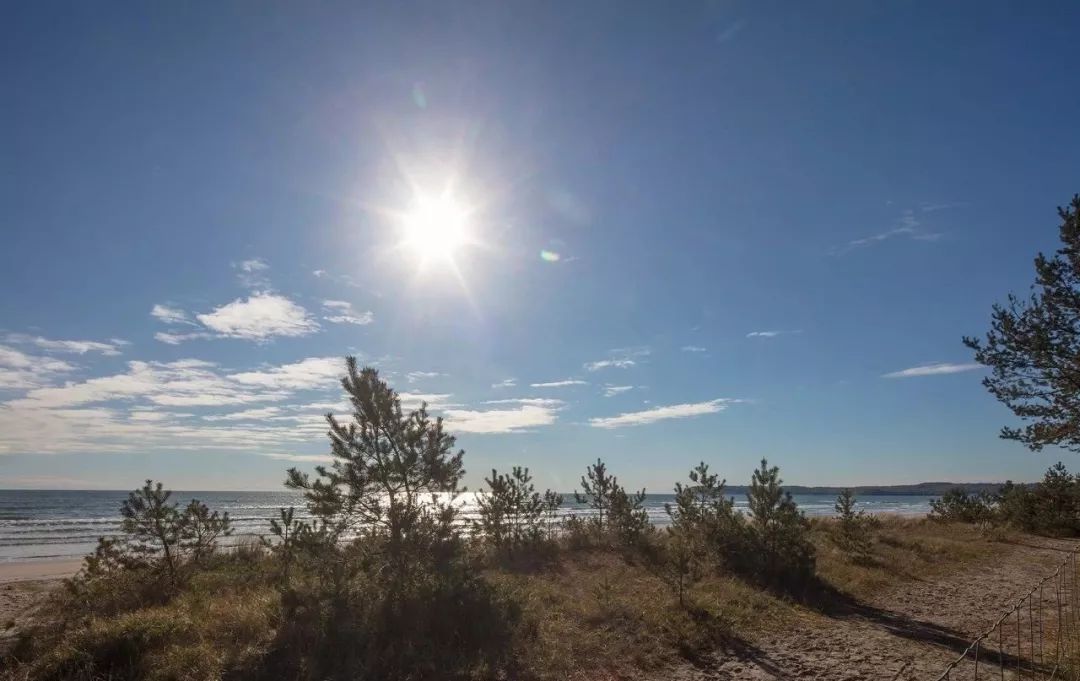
<point x="907" y="633"/>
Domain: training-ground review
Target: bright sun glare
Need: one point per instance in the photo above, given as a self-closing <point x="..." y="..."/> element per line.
<point x="436" y="227"/>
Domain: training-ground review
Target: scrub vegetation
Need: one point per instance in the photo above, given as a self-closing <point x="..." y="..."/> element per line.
<point x="383" y="579"/>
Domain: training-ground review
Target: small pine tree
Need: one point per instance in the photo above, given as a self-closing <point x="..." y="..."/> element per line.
<point x="702" y="511"/>
<point x="201" y="530"/>
<point x="162" y="536"/>
<point x="552" y="502"/>
<point x="154" y="527"/>
<point x="596" y="491"/>
<point x="780" y="528"/>
<point x="511" y="509"/>
<point x="853" y="526"/>
<point x="393" y="481"/>
<point x="289" y="533"/>
<point x="704" y="525"/>
<point x="628" y="519"/>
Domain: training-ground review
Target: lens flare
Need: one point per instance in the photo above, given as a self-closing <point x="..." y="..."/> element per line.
<point x="436" y="227"/>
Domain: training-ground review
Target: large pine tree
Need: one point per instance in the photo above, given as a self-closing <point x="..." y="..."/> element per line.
<point x="1033" y="347"/>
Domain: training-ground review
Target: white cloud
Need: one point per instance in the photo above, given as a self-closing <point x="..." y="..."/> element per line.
<point x="180" y="383"/>
<point x="307" y="374"/>
<point x="259" y="317"/>
<point x="253" y="265"/>
<point x="170" y="315"/>
<point x="341" y="278"/>
<point x="613" y="390"/>
<point x="250" y="272"/>
<point x="414" y="376"/>
<point x="534" y="401"/>
<point x="693" y="348"/>
<point x="772" y="334"/>
<point x="674" y="411"/>
<point x="505" y="383"/>
<point x="610" y="364"/>
<point x="935" y="369"/>
<point x="342" y="312"/>
<point x="77" y="347"/>
<point x="138" y="409"/>
<point x="178" y="338"/>
<point x="524" y="417"/>
<point x="245" y="415"/>
<point x="410" y="401"/>
<point x="300" y="458"/>
<point x="559" y="384"/>
<point x="20" y="371"/>
<point x="620" y="358"/>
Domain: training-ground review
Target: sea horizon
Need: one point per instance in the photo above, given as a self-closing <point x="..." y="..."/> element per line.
<point x="45" y="525"/>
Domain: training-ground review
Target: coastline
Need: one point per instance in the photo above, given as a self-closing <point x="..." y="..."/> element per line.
<point x="38" y="570"/>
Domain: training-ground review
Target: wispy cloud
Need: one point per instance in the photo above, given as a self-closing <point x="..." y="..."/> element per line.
<point x="609" y="364"/>
<point x="307" y="374"/>
<point x="164" y="404"/>
<point x="559" y="384"/>
<point x="339" y="278"/>
<point x="693" y="348"/>
<point x="771" y="334"/>
<point x="76" y="347"/>
<point x="245" y="415"/>
<point x="909" y="227"/>
<point x="20" y="371"/>
<point x="613" y="390"/>
<point x="250" y="272"/>
<point x="342" y="312"/>
<point x="933" y="207"/>
<point x="411" y="401"/>
<point x="620" y="358"/>
<point x="534" y="401"/>
<point x="936" y="369"/>
<point x="171" y="315"/>
<point x="505" y="383"/>
<point x="673" y="411"/>
<point x="170" y="338"/>
<point x="527" y="415"/>
<point x="414" y="376"/>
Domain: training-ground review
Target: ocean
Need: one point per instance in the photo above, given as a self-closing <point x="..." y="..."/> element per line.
<point x="49" y="525"/>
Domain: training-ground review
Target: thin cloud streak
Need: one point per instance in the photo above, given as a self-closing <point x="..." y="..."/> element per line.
<point x="559" y="384"/>
<point x="673" y="411"/>
<point x="935" y="369"/>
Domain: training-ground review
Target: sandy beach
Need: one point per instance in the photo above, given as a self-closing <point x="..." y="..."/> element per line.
<point x="38" y="570"/>
<point x="23" y="587"/>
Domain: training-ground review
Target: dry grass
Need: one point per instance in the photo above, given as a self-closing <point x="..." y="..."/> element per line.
<point x="902" y="549"/>
<point x="596" y="612"/>
<point x="200" y="635"/>
<point x="587" y="613"/>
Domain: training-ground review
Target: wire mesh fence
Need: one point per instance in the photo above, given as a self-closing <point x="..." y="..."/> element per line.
<point x="1037" y="638"/>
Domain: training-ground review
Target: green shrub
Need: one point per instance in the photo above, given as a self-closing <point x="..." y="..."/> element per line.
<point x="779" y="534"/>
<point x="512" y="514"/>
<point x="956" y="505"/>
<point x="1050" y="507"/>
<point x="853" y="528"/>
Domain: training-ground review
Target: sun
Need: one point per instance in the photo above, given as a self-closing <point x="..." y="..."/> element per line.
<point x="436" y="227"/>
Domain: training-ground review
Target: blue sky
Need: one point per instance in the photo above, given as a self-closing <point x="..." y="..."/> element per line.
<point x="767" y="218"/>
